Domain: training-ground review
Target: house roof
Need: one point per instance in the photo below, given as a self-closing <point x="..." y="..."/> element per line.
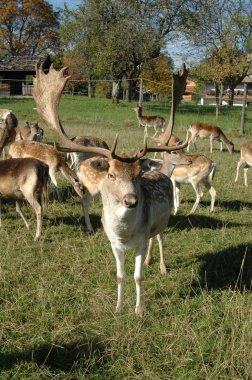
<point x="23" y="63"/>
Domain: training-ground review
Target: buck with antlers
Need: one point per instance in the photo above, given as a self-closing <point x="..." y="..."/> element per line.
<point x="212" y="132"/>
<point x="136" y="206"/>
<point x="156" y="122"/>
<point x="246" y="160"/>
<point x="25" y="179"/>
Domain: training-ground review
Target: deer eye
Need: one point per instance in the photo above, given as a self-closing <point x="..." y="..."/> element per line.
<point x="111" y="176"/>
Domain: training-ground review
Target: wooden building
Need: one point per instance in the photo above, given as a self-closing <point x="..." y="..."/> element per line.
<point x="15" y="70"/>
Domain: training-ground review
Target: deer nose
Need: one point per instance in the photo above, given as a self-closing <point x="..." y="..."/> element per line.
<point x="130" y="200"/>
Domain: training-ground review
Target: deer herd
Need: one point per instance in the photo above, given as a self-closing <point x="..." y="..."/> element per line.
<point x="138" y="193"/>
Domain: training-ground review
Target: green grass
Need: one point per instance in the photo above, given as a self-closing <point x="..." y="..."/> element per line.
<point x="58" y="295"/>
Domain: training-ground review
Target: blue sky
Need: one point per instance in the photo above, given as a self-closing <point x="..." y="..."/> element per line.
<point x="60" y="3"/>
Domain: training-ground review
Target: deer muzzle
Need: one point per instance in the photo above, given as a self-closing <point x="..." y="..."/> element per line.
<point x="130" y="200"/>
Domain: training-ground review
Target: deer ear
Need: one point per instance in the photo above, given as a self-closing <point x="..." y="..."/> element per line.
<point x="100" y="164"/>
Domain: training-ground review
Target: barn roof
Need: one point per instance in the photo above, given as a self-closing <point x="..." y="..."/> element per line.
<point x="23" y="63"/>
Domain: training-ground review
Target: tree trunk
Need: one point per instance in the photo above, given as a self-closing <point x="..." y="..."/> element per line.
<point x="217" y="93"/>
<point x="231" y="96"/>
<point x="115" y="92"/>
<point x="140" y="93"/>
<point x="221" y="94"/>
<point x="90" y="92"/>
<point x="243" y="116"/>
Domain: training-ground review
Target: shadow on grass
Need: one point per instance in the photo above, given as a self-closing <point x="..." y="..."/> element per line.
<point x="230" y="268"/>
<point x="66" y="358"/>
<point x="235" y="205"/>
<point x="182" y="222"/>
<point x="71" y="221"/>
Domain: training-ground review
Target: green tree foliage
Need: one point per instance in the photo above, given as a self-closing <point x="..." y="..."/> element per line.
<point x="159" y="73"/>
<point x="28" y="27"/>
<point x="115" y="37"/>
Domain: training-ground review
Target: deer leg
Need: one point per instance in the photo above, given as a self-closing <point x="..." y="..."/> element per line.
<point x="194" y="142"/>
<point x="198" y="196"/>
<point x="246" y="177"/>
<point x="162" y="264"/>
<point x="85" y="206"/>
<point x="52" y="175"/>
<point x="148" y="259"/>
<point x="176" y="192"/>
<point x="18" y="209"/>
<point x="156" y="132"/>
<point x="211" y="144"/>
<point x="37" y="207"/>
<point x="237" y="170"/>
<point x="212" y="192"/>
<point x="139" y="257"/>
<point x="221" y="146"/>
<point x="119" y="256"/>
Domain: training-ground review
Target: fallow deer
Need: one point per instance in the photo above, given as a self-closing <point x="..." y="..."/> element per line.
<point x="49" y="155"/>
<point x="200" y="171"/>
<point x="212" y="132"/>
<point x="246" y="160"/>
<point x="174" y="140"/>
<point x="156" y="122"/>
<point x="29" y="132"/>
<point x="136" y="206"/>
<point x="25" y="179"/>
<point x="76" y="158"/>
<point x="7" y="118"/>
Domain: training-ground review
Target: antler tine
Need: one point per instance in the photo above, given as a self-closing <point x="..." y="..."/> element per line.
<point x="165" y="148"/>
<point x="178" y="89"/>
<point x="142" y="152"/>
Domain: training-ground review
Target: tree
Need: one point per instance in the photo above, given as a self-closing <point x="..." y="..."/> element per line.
<point x="28" y="27"/>
<point x="115" y="37"/>
<point x="159" y="73"/>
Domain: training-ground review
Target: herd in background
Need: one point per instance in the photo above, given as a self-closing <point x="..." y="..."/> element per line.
<point x="137" y="193"/>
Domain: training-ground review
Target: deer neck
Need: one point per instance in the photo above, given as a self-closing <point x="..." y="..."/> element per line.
<point x="167" y="166"/>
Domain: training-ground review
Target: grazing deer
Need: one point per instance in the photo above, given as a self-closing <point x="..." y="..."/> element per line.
<point x="200" y="171"/>
<point x="25" y="179"/>
<point x="136" y="206"/>
<point x="156" y="122"/>
<point x="49" y="155"/>
<point x="76" y="158"/>
<point x="212" y="132"/>
<point x="246" y="159"/>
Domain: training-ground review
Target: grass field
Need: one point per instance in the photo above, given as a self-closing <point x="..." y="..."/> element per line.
<point x="58" y="295"/>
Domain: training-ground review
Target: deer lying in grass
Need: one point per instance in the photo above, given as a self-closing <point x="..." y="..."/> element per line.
<point x="156" y="122"/>
<point x="76" y="158"/>
<point x="25" y="179"/>
<point x="212" y="132"/>
<point x="246" y="159"/>
<point x="200" y="171"/>
<point x="49" y="155"/>
<point x="136" y="206"/>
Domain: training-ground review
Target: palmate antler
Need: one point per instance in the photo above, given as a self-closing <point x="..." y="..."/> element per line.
<point x="47" y="92"/>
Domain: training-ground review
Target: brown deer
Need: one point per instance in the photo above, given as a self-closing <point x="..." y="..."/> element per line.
<point x="49" y="155"/>
<point x="246" y="160"/>
<point x="136" y="206"/>
<point x="25" y="179"/>
<point x="200" y="171"/>
<point x="29" y="132"/>
<point x="156" y="122"/>
<point x="7" y="118"/>
<point x="174" y="140"/>
<point x="212" y="132"/>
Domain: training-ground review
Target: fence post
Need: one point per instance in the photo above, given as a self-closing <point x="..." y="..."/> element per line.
<point x="242" y="129"/>
<point x="140" y="93"/>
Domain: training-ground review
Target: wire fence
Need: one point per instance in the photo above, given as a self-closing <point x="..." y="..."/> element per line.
<point x="137" y="89"/>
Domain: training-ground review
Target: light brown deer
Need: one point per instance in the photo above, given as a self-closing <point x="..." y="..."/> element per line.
<point x="212" y="132"/>
<point x="7" y="118"/>
<point x="156" y="122"/>
<point x="136" y="206"/>
<point x="25" y="179"/>
<point x="199" y="172"/>
<point x="49" y="155"/>
<point x="29" y="132"/>
<point x="174" y="140"/>
<point x="246" y="160"/>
